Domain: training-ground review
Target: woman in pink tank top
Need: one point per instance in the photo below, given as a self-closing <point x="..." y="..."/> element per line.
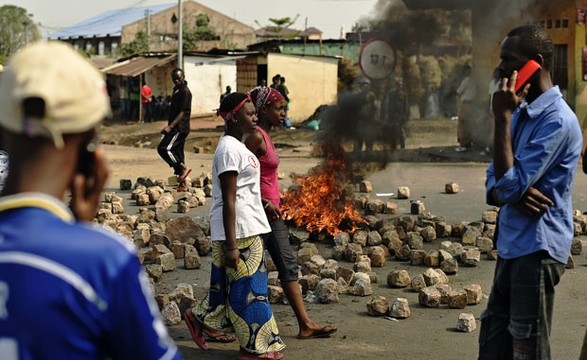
<point x="270" y="105"/>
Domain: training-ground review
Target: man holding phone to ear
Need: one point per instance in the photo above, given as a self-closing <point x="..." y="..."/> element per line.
<point x="67" y="289"/>
<point x="537" y="145"/>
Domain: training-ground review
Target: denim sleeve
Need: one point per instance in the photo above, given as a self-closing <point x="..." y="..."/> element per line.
<point x="490" y="186"/>
<point x="532" y="161"/>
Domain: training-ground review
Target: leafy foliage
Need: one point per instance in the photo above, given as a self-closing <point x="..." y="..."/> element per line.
<point x="280" y="25"/>
<point x="140" y="44"/>
<point x="347" y="73"/>
<point x="16" y="29"/>
<point x="202" y="31"/>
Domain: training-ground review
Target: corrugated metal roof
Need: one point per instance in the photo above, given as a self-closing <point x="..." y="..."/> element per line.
<point x="107" y="23"/>
<point x="138" y="65"/>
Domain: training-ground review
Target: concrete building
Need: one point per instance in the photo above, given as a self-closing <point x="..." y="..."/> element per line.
<point x="104" y="34"/>
<point x="311" y="80"/>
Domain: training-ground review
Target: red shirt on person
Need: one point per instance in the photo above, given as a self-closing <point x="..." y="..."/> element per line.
<point x="146" y="94"/>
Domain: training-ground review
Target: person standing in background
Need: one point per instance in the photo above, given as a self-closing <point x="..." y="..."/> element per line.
<point x="135" y="97"/>
<point x="68" y="290"/>
<point x="275" y="81"/>
<point x="171" y="147"/>
<point x="124" y="100"/>
<point x="146" y="99"/>
<point x="466" y="93"/>
<point x="228" y="91"/>
<point x="285" y="93"/>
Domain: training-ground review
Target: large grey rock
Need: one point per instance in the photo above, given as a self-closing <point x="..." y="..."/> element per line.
<point x="429" y="297"/>
<point x="182" y="229"/>
<point x="400" y="308"/>
<point x="466" y="322"/>
<point x="398" y="279"/>
<point x="171" y="314"/>
<point x="378" y="306"/>
<point x="191" y="258"/>
<point x="327" y="291"/>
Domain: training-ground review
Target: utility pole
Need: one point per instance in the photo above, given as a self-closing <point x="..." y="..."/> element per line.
<point x="179" y="37"/>
<point x="148" y="16"/>
<point x="305" y="34"/>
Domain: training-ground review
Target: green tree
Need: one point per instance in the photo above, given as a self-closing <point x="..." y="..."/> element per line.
<point x="140" y="44"/>
<point x="16" y="29"/>
<point x="280" y="25"/>
<point x="202" y="31"/>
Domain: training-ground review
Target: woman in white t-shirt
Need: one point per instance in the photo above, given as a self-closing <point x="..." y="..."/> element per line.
<point x="237" y="299"/>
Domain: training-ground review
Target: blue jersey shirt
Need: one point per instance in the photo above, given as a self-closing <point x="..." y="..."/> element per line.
<point x="70" y="290"/>
<point x="547" y="143"/>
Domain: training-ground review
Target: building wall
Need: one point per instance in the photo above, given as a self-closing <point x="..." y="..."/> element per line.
<point x="207" y="80"/>
<point x="233" y="34"/>
<point x="488" y="34"/>
<point x="346" y="49"/>
<point x="312" y="81"/>
<point x="159" y="79"/>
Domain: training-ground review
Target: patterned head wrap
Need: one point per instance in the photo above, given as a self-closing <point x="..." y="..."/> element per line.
<point x="264" y="95"/>
<point x="228" y="115"/>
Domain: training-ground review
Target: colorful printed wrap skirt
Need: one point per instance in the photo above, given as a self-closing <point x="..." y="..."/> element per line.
<point x="237" y="300"/>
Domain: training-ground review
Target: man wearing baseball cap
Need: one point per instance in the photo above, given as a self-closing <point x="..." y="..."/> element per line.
<point x="67" y="289"/>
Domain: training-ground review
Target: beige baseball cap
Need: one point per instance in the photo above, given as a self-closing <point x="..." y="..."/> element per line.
<point x="74" y="92"/>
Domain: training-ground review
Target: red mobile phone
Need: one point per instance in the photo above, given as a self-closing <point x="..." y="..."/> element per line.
<point x="525" y="74"/>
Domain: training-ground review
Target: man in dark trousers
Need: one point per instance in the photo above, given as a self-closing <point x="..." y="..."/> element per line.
<point x="171" y="147"/>
<point x="68" y="290"/>
<point x="537" y="145"/>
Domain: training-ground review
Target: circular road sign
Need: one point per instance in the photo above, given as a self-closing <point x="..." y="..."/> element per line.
<point x="377" y="59"/>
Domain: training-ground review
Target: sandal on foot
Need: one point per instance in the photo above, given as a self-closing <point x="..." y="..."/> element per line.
<point x="220" y="338"/>
<point x="275" y="355"/>
<point x="323" y="332"/>
<point x="198" y="339"/>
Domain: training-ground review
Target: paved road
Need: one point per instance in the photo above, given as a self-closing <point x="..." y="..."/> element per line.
<point x="428" y="333"/>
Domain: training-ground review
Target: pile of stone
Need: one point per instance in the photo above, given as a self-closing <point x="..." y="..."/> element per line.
<point x="160" y="240"/>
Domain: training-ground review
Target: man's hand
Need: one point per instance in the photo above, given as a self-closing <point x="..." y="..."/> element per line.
<point x="505" y="100"/>
<point x="533" y="203"/>
<point x="166" y="130"/>
<point x="86" y="192"/>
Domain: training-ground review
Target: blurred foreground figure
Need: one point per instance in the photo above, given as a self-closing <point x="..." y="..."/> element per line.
<point x="537" y="145"/>
<point x="67" y="289"/>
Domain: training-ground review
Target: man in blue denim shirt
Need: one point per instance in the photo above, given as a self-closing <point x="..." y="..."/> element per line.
<point x="537" y="146"/>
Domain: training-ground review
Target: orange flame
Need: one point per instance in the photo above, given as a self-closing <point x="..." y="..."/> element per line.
<point x="318" y="203"/>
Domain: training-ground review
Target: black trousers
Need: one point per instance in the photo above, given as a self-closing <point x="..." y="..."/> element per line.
<point x="171" y="150"/>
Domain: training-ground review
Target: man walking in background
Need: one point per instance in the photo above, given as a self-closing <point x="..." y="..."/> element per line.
<point x="171" y="147"/>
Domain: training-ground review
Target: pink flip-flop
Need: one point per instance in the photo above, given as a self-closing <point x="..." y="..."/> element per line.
<point x="199" y="340"/>
<point x="275" y="355"/>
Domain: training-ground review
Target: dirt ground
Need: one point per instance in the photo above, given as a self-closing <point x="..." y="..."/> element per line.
<point x="425" y="166"/>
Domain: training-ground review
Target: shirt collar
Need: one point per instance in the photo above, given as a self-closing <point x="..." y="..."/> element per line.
<point x="37" y="200"/>
<point x="543" y="101"/>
